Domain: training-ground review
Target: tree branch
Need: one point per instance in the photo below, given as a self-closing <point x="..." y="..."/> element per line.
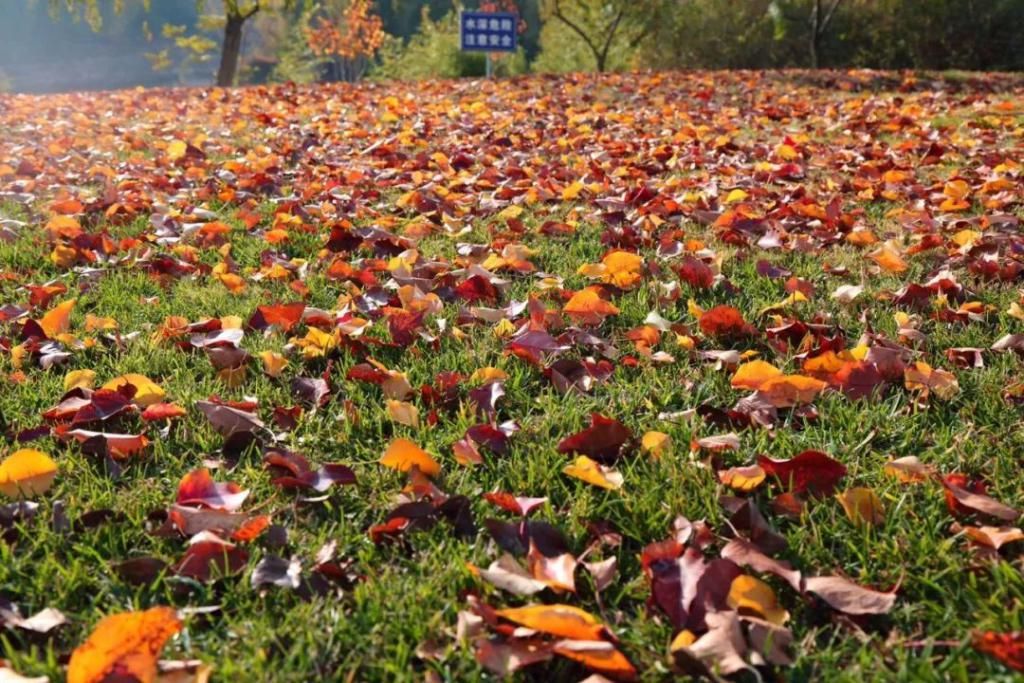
<point x="254" y="10"/>
<point x="611" y="34"/>
<point x="572" y="25"/>
<point x="829" y="14"/>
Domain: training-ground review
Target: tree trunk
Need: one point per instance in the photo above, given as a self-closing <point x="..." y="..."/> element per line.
<point x="815" y="32"/>
<point x="601" y="59"/>
<point x="230" y="50"/>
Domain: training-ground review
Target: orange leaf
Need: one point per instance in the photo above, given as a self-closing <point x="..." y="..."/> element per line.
<point x="926" y="379"/>
<point x="124" y="646"/>
<point x="587" y="305"/>
<point x="753" y="374"/>
<point x="558" y="620"/>
<point x="403" y="455"/>
<point x="597" y="655"/>
<point x="791" y="390"/>
<point x="888" y="257"/>
<point x="58" y="319"/>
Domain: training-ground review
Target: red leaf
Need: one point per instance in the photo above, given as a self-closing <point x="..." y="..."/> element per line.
<point x="725" y="322"/>
<point x="1008" y="648"/>
<point x="810" y="471"/>
<point x="604" y="440"/>
<point x="198" y="489"/>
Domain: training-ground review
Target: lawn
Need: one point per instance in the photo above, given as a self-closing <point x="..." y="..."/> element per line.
<point x="375" y="307"/>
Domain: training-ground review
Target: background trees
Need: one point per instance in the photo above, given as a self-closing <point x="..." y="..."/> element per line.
<point x="241" y="41"/>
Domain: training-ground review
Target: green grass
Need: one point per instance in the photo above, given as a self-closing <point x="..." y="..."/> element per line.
<point x="411" y="595"/>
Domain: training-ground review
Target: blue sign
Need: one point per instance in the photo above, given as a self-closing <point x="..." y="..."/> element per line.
<point x="488" y="31"/>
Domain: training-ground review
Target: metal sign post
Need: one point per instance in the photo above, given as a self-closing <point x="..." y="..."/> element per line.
<point x="488" y="32"/>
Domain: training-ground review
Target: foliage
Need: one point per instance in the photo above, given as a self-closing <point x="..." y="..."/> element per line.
<point x="719" y="34"/>
<point x="345" y="39"/>
<point x="188" y="48"/>
<point x="434" y="52"/>
<point x="932" y="34"/>
<point x="602" y="26"/>
<point x="562" y="51"/>
<point x="648" y="376"/>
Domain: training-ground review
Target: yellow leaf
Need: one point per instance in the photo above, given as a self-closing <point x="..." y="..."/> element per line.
<point x="909" y="470"/>
<point x="488" y="374"/>
<point x="79" y="379"/>
<point x="233" y="377"/>
<point x="592" y="270"/>
<point x="862" y="506"/>
<point x="273" y="363"/>
<point x="58" y="319"/>
<point x="176" y="149"/>
<point x="964" y="238"/>
<point x="656" y="443"/>
<point x="694" y="310"/>
<point x="683" y="639"/>
<point x="510" y="211"/>
<point x="572" y="191"/>
<point x="64" y="256"/>
<point x="591" y="472"/>
<point x="742" y="479"/>
<point x="748" y="594"/>
<point x="623" y="269"/>
<point x="26" y="472"/>
<point x="736" y="195"/>
<point x="403" y="455"/>
<point x="147" y="392"/>
<point x="403" y="412"/>
<point x="93" y="323"/>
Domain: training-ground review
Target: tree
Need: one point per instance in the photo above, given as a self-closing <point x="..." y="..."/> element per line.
<point x="598" y="22"/>
<point x="236" y="14"/>
<point x="347" y="37"/>
<point x="822" y="13"/>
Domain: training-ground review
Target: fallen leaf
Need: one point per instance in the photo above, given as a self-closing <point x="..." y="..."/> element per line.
<point x="403" y="455"/>
<point x="147" y="392"/>
<point x="26" y="473"/>
<point x="742" y="479"/>
<point x="847" y="597"/>
<point x="1007" y="648"/>
<point x="750" y="595"/>
<point x="862" y="506"/>
<point x="604" y="440"/>
<point x="565" y="621"/>
<point x="591" y="472"/>
<point x="124" y="645"/>
<point x="198" y="489"/>
<point x="58" y="319"/>
<point x="809" y="471"/>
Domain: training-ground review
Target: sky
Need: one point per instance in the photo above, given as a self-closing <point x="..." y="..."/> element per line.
<point x="41" y="54"/>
